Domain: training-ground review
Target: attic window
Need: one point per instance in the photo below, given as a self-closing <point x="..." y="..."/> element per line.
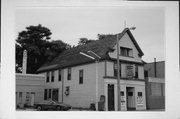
<point x="126" y="52"/>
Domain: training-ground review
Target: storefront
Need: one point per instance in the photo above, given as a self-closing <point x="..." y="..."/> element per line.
<point x="132" y="95"/>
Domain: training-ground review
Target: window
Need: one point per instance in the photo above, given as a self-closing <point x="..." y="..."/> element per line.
<point x="115" y="69"/>
<point x="45" y="94"/>
<point x="49" y="93"/>
<point x="80" y="76"/>
<point x="122" y="93"/>
<point x="59" y="76"/>
<point x="126" y="51"/>
<point x="146" y="73"/>
<point x="139" y="94"/>
<point x="52" y="76"/>
<point x="136" y="71"/>
<point x="130" y="93"/>
<point x="47" y="77"/>
<point x="20" y="96"/>
<point x="69" y="74"/>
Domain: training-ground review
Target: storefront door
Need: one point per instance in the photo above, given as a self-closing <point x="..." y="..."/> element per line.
<point x="130" y="98"/>
<point x="110" y="97"/>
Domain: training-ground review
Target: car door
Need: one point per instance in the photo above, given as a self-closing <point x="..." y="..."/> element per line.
<point x="52" y="105"/>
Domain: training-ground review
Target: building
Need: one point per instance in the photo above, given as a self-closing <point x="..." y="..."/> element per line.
<point x="29" y="89"/>
<point x="80" y="76"/>
<point x="155" y="85"/>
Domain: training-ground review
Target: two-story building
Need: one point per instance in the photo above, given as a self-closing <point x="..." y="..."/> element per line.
<point x="81" y="75"/>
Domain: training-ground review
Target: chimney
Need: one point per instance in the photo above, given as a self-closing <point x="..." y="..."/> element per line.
<point x="155" y="75"/>
<point x="24" y="62"/>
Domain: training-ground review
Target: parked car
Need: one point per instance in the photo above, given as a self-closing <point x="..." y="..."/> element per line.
<point x="52" y="105"/>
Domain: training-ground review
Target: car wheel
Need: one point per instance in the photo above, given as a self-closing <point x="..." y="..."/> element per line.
<point x="39" y="108"/>
<point x="58" y="108"/>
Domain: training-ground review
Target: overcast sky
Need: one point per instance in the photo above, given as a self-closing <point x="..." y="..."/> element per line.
<point x="71" y="23"/>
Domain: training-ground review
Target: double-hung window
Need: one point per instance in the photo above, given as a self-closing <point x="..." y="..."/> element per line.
<point x="52" y="76"/>
<point x="45" y="94"/>
<point x="59" y="75"/>
<point x="47" y="77"/>
<point x="80" y="76"/>
<point x="126" y="52"/>
<point x="49" y="94"/>
<point x="116" y="69"/>
<point x="136" y="71"/>
<point x="69" y="74"/>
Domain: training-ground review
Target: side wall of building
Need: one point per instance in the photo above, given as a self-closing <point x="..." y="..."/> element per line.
<point x="80" y="95"/>
<point x="28" y="85"/>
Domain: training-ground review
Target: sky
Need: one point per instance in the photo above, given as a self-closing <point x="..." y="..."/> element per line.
<point x="71" y="23"/>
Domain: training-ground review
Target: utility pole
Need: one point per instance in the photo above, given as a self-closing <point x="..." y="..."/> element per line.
<point x="118" y="76"/>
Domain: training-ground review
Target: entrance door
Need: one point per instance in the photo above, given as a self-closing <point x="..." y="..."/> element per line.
<point x="110" y="97"/>
<point x="130" y="98"/>
<point x="55" y="94"/>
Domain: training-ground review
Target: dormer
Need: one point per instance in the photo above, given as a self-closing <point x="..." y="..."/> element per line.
<point x="129" y="50"/>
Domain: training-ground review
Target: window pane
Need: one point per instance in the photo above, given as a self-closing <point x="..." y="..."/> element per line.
<point x="139" y="93"/>
<point x="136" y="71"/>
<point x="47" y="78"/>
<point x="123" y="51"/>
<point x="45" y="94"/>
<point x="80" y="76"/>
<point x="49" y="93"/>
<point x="115" y="69"/>
<point x="130" y="93"/>
<point x="122" y="93"/>
<point x="52" y="76"/>
<point x="69" y="74"/>
<point x="59" y="77"/>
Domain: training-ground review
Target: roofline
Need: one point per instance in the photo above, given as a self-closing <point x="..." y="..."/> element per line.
<point x="135" y="42"/>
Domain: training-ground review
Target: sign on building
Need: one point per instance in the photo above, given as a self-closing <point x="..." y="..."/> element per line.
<point x="129" y="71"/>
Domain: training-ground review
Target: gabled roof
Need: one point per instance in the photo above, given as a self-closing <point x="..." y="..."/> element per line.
<point x="72" y="57"/>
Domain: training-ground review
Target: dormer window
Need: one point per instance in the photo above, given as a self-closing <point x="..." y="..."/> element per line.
<point x="126" y="52"/>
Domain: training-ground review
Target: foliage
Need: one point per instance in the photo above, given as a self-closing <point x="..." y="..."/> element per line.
<point x="83" y="41"/>
<point x="35" y="39"/>
<point x="102" y="36"/>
